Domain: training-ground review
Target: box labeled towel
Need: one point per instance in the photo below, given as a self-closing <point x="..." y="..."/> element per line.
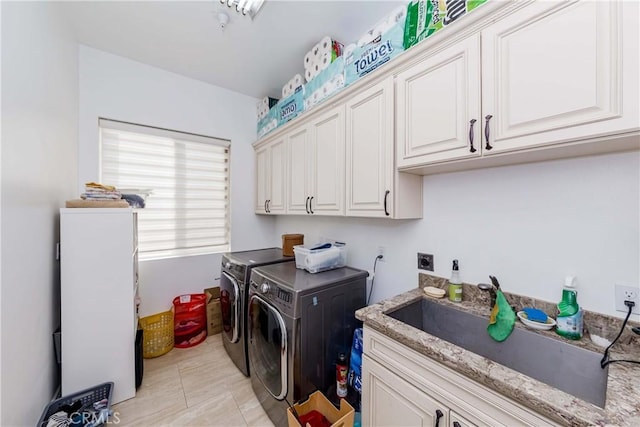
<point x="425" y="17"/>
<point x="326" y="83"/>
<point x="361" y="60"/>
<point x="290" y="107"/>
<point x="268" y="123"/>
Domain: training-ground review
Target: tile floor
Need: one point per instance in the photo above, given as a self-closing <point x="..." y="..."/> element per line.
<point x="197" y="386"/>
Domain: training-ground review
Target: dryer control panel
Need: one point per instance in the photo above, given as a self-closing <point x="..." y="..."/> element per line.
<point x="274" y="293"/>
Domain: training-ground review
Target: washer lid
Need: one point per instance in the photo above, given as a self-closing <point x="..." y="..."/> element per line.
<point x="301" y="281"/>
<point x="258" y="257"/>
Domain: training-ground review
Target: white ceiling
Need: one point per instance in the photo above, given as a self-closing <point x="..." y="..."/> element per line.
<point x="252" y="57"/>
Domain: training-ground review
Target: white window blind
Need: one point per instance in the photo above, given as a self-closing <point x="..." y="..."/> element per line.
<point x="187" y="212"/>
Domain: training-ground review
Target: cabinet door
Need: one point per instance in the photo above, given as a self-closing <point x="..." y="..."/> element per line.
<point x="369" y="152"/>
<point x="278" y="169"/>
<point x="457" y="420"/>
<point x="299" y="149"/>
<point x="553" y="72"/>
<point x="388" y="400"/>
<point x="263" y="179"/>
<point x="327" y="184"/>
<point x="437" y="100"/>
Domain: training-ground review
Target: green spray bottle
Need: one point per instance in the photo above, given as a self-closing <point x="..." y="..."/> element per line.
<point x="569" y="321"/>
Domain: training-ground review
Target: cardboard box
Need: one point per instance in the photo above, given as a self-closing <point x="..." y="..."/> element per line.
<point x="214" y="312"/>
<point x="343" y="417"/>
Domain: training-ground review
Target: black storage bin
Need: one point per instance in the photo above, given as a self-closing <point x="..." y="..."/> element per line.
<point x="138" y="355"/>
<point x="88" y="398"/>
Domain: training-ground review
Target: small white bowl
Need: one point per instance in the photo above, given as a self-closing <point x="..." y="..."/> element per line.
<point x="536" y="325"/>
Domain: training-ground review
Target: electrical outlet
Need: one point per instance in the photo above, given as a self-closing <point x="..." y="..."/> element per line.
<point x="425" y="261"/>
<point x="381" y="252"/>
<point x="627" y="293"/>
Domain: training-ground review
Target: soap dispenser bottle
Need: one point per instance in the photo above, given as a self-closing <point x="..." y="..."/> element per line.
<point x="455" y="284"/>
<point x="569" y="321"/>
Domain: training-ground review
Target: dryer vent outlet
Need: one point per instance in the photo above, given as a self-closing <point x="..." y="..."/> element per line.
<point x="425" y="261"/>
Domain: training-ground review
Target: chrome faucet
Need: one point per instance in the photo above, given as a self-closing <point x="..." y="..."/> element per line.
<point x="492" y="292"/>
<point x="493" y="288"/>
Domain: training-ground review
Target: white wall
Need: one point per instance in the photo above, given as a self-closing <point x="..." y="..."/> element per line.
<point x="117" y="88"/>
<point x="39" y="158"/>
<point x="529" y="225"/>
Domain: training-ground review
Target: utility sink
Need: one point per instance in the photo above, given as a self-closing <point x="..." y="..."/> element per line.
<point x="567" y="367"/>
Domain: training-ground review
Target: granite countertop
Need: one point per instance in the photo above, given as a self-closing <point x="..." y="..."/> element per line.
<point x="622" y="407"/>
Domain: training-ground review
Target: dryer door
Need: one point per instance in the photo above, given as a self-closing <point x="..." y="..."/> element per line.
<point x="230" y="307"/>
<point x="268" y="346"/>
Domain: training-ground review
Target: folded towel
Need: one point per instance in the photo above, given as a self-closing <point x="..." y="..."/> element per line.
<point x="502" y="319"/>
<point x="100" y="186"/>
<point x="96" y="203"/>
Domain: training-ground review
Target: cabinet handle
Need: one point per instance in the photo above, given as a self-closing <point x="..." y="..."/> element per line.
<point x="471" y="147"/>
<point x="386" y="195"/>
<point x="265" y="207"/>
<point x="439" y="415"/>
<point x="310" y="200"/>
<point x="487" y="131"/>
<point x="268" y="207"/>
<point x="456" y="424"/>
<point x="306" y="204"/>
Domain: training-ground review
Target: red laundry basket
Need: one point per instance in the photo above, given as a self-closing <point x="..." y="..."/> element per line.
<point x="190" y="320"/>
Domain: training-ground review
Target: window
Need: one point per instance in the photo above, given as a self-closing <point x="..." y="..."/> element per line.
<point x="187" y="210"/>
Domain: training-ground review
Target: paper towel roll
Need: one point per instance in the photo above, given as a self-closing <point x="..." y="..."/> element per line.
<point x="307" y="59"/>
<point x="348" y="50"/>
<point x="326" y="43"/>
<point x="398" y="14"/>
<point x="308" y="74"/>
<point x="323" y="51"/>
<point x="297" y="81"/>
<point x="315" y="50"/>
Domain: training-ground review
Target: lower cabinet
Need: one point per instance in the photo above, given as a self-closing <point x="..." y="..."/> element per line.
<point x="388" y="400"/>
<point x="401" y="387"/>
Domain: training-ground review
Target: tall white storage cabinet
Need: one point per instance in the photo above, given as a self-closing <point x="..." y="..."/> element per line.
<point x="99" y="279"/>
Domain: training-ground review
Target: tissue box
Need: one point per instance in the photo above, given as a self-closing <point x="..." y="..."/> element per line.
<point x="361" y="60"/>
<point x="343" y="417"/>
<point x="425" y="17"/>
<point x="329" y="81"/>
<point x="317" y="260"/>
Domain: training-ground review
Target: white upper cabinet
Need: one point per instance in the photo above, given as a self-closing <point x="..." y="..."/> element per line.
<point x="547" y="80"/>
<point x="515" y="82"/>
<point x="316" y="166"/>
<point x="271" y="178"/>
<point x="299" y="168"/>
<point x="327" y="168"/>
<point x="438" y="106"/>
<point x="372" y="181"/>
<point x="560" y="72"/>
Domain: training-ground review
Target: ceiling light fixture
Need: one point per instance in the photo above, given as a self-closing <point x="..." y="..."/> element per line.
<point x="244" y="7"/>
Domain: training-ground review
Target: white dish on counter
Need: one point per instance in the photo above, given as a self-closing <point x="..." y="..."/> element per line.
<point x="536" y="325"/>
